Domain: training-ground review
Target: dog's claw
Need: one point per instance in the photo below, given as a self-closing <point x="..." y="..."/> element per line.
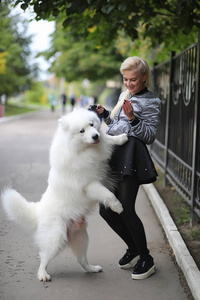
<point x="44" y="277"/>
<point x="117" y="208"/>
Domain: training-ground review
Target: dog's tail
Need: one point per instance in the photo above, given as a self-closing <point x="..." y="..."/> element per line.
<point x="20" y="210"/>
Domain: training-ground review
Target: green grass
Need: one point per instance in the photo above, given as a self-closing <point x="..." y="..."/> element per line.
<point x="195" y="234"/>
<point x="177" y="206"/>
<point x="11" y="110"/>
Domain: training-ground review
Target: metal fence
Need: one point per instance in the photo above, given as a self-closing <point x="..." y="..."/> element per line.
<point x="176" y="149"/>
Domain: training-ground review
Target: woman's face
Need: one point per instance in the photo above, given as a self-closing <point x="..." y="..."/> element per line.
<point x="134" y="81"/>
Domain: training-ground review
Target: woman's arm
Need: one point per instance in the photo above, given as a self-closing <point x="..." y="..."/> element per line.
<point x="145" y="126"/>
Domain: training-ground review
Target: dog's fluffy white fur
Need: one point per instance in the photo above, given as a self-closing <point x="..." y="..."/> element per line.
<point x="78" y="159"/>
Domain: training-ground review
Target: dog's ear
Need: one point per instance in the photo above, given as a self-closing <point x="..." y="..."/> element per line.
<point x="63" y="121"/>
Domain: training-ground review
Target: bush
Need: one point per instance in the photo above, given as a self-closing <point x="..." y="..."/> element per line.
<point x="36" y="94"/>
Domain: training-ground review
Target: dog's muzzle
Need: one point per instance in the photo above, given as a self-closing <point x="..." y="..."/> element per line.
<point x="95" y="137"/>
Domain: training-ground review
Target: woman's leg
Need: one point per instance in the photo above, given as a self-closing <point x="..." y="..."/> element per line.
<point x="115" y="221"/>
<point x="127" y="194"/>
<point x="127" y="225"/>
<point x="130" y="228"/>
<point x="145" y="266"/>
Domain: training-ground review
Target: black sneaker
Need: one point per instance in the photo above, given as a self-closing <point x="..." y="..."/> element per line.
<point x="144" y="268"/>
<point x="128" y="260"/>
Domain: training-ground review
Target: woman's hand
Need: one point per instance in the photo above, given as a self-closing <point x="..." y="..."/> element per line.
<point x="128" y="109"/>
<point x="100" y="109"/>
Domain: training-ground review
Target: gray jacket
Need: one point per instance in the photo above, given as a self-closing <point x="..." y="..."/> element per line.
<point x="147" y="110"/>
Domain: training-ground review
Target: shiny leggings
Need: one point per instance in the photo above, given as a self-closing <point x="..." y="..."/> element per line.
<point x="127" y="225"/>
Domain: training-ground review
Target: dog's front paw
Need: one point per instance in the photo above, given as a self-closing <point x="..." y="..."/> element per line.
<point x="123" y="138"/>
<point x="43" y="276"/>
<point x="117" y="207"/>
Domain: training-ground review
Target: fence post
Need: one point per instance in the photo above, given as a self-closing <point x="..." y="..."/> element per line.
<point x="193" y="216"/>
<point x="167" y="117"/>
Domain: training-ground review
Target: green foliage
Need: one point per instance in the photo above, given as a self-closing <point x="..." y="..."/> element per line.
<point x="76" y="59"/>
<point x="15" y="74"/>
<point x="160" y="19"/>
<point x="93" y="37"/>
<point x="143" y="47"/>
<point x="36" y="94"/>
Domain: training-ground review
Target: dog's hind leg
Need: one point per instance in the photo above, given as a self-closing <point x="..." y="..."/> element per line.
<point x="45" y="257"/>
<point x="79" y="243"/>
<point x="50" y="242"/>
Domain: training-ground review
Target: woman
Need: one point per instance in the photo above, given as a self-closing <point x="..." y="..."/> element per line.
<point x="137" y="114"/>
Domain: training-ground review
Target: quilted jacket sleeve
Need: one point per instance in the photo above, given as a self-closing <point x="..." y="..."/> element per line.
<point x="146" y="128"/>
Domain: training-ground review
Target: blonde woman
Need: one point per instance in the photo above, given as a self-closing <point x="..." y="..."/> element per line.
<point x="137" y="114"/>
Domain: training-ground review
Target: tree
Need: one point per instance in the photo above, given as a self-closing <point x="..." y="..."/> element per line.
<point x="101" y="20"/>
<point x="15" y="71"/>
<point x="96" y="35"/>
<point x="76" y="60"/>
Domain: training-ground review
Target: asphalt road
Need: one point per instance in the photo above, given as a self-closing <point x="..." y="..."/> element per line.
<point x="24" y="147"/>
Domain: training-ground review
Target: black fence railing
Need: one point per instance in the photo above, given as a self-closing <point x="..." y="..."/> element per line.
<point x="176" y="149"/>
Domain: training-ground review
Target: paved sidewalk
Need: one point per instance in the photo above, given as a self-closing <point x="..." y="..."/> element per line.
<point x="183" y="257"/>
<point x="24" y="146"/>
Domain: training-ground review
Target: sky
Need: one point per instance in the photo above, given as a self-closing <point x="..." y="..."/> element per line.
<point x="41" y="39"/>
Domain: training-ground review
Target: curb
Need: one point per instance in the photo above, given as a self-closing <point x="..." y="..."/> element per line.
<point x="182" y="255"/>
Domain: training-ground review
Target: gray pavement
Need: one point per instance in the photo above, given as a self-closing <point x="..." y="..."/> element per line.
<point x="24" y="147"/>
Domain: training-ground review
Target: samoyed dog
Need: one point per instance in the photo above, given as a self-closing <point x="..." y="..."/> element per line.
<point x="78" y="159"/>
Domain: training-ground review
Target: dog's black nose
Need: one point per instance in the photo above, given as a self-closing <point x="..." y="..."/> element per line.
<point x="95" y="137"/>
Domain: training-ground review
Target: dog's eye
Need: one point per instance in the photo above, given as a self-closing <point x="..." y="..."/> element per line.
<point x="82" y="131"/>
<point x="91" y="124"/>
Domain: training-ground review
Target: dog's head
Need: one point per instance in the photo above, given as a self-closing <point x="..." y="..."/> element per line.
<point x="81" y="126"/>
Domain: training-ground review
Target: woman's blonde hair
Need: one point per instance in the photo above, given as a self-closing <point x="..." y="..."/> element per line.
<point x="137" y="64"/>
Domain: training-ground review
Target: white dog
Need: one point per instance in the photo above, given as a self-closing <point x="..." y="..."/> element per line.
<point x="78" y="159"/>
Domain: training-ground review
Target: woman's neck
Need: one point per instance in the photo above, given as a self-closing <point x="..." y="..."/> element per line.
<point x="144" y="90"/>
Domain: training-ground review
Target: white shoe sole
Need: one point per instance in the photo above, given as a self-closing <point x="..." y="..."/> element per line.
<point x="131" y="264"/>
<point x="145" y="275"/>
